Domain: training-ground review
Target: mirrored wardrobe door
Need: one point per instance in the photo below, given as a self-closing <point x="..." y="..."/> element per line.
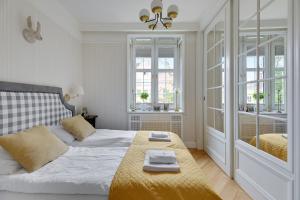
<point x="262" y="84"/>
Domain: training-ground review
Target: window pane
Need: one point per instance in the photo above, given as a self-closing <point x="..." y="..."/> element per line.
<point x="247" y="127"/>
<point x="210" y="117"/>
<point x="220" y="53"/>
<point x="274" y="92"/>
<point x="166" y="58"/>
<point x="219" y="121"/>
<point x="273" y="136"/>
<point x="210" y="39"/>
<point x="210" y="58"/>
<point x="276" y="11"/>
<point x="211" y="98"/>
<point x="246" y="9"/>
<point x="210" y="78"/>
<point x="143" y="84"/>
<point x="219" y="31"/>
<point x="247" y="101"/>
<point x="219" y="76"/>
<point x="165" y="87"/>
<point x="219" y="98"/>
<point x="247" y="63"/>
<point x="143" y="57"/>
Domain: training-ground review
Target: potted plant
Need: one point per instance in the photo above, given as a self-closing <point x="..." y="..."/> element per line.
<point x="144" y="96"/>
<point x="260" y="97"/>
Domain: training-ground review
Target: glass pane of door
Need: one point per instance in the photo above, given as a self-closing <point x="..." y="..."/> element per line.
<point x="262" y="75"/>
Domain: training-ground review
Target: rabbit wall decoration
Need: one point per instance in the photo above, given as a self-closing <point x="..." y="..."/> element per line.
<point x="30" y="34"/>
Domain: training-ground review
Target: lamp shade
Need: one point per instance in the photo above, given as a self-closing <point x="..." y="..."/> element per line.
<point x="77" y="91"/>
<point x="144" y="15"/>
<point x="168" y="23"/>
<point x="151" y="25"/>
<point x="172" y="11"/>
<point x="156" y="6"/>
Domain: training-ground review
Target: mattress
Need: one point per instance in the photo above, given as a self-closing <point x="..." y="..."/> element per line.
<point x="107" y="138"/>
<point x="81" y="170"/>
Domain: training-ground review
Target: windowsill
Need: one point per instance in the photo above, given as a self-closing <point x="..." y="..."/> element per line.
<point x="155" y="112"/>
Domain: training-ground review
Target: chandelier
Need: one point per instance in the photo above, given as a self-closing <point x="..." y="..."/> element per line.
<point x="157" y="7"/>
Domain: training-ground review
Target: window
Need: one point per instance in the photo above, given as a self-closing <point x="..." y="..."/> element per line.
<point x="155" y="73"/>
<point x="143" y="63"/>
<point x="271" y="69"/>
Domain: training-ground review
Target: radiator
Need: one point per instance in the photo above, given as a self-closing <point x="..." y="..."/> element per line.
<point x="157" y="122"/>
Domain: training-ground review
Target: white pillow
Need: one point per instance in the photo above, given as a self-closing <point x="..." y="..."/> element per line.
<point x="62" y="134"/>
<point x="7" y="163"/>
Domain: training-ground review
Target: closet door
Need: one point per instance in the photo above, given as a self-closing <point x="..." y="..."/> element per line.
<point x="264" y="99"/>
<point x="217" y="129"/>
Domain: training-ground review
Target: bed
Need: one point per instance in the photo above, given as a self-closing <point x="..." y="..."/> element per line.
<point x="89" y="173"/>
<point x="273" y="143"/>
<point x="75" y="173"/>
<point x="106" y="138"/>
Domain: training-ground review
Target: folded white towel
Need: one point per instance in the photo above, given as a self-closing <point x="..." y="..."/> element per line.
<point x="160" y="135"/>
<point x="285" y="135"/>
<point x="161" y="139"/>
<point x="159" y="167"/>
<point x="161" y="157"/>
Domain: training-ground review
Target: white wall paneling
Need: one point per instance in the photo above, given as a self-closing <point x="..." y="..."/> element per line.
<point x="105" y="79"/>
<point x="55" y="61"/>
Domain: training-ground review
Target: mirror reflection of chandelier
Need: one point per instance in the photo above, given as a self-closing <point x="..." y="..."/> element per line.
<point x="156" y="8"/>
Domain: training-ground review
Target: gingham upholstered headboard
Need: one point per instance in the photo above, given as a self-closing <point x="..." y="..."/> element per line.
<point x="23" y="106"/>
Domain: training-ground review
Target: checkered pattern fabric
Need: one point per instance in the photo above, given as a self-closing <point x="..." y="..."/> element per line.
<point x="20" y="111"/>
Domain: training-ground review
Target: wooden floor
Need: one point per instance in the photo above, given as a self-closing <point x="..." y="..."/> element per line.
<point x="218" y="180"/>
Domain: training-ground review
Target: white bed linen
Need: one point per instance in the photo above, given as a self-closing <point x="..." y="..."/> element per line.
<point x="80" y="170"/>
<point x="22" y="196"/>
<point x="107" y="138"/>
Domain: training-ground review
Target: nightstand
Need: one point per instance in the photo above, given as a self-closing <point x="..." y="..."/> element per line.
<point x="91" y="119"/>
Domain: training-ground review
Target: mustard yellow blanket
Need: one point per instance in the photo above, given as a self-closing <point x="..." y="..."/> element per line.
<point x="272" y="143"/>
<point x="132" y="183"/>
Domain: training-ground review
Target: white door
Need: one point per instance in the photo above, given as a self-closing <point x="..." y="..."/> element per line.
<point x="217" y="104"/>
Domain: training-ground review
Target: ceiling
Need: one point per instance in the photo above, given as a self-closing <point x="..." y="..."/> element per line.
<point x="126" y="11"/>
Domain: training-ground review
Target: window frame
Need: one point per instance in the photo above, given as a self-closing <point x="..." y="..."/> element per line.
<point x="178" y="71"/>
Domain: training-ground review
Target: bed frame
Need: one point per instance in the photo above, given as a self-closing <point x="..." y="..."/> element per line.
<point x="23" y="106"/>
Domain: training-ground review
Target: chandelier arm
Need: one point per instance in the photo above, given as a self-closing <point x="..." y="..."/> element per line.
<point x="161" y="20"/>
<point x="167" y="18"/>
<point x="157" y="18"/>
<point x="150" y="20"/>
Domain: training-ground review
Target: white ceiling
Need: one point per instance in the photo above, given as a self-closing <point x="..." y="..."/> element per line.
<point x="126" y="11"/>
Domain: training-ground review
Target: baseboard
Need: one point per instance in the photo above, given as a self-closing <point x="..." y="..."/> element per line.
<point x="190" y="144"/>
<point x="254" y="190"/>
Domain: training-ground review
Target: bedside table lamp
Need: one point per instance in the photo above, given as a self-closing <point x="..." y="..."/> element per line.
<point x="74" y="92"/>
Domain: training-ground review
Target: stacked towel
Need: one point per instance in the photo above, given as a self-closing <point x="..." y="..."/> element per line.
<point x="159" y="136"/>
<point x="161" y="161"/>
<point x="162" y="157"/>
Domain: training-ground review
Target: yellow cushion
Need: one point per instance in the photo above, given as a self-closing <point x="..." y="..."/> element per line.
<point x="78" y="127"/>
<point x="33" y="148"/>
